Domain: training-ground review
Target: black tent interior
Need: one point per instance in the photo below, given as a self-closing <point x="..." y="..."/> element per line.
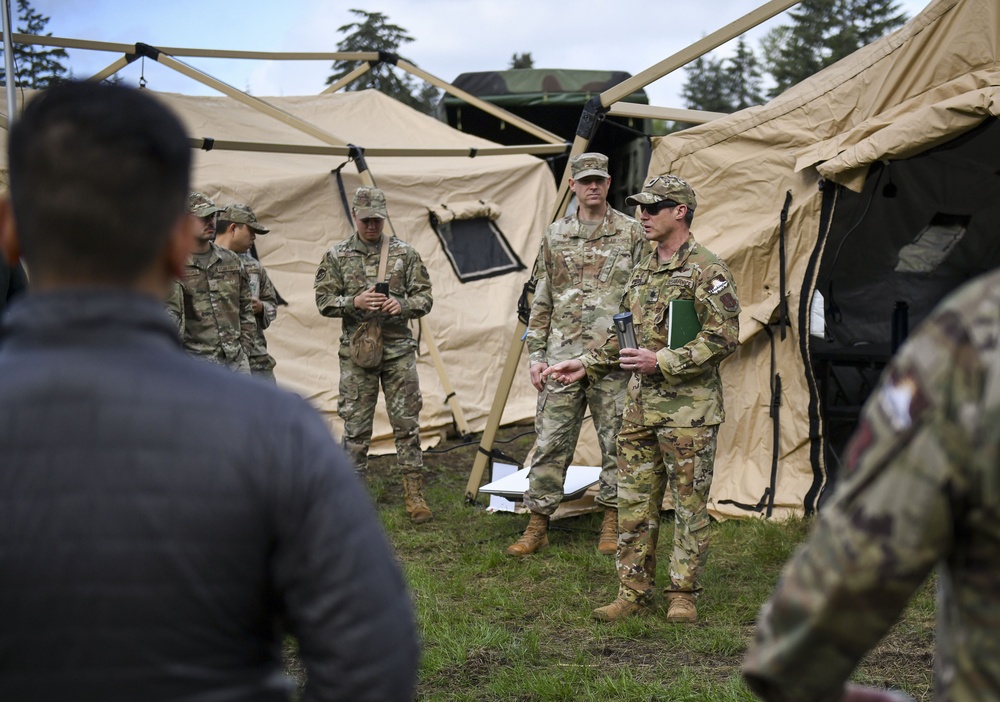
<point x="920" y="228"/>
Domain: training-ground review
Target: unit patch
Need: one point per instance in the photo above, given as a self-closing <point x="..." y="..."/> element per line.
<point x="729" y="302"/>
<point x="717" y="285"/>
<point x="902" y="402"/>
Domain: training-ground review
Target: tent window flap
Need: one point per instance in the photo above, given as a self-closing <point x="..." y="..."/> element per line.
<point x="933" y="244"/>
<point x="474" y="244"/>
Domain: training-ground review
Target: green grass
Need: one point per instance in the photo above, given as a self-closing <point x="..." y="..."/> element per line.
<point x="499" y="628"/>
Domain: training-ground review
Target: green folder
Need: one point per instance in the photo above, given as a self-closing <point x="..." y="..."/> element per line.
<point x="682" y="325"/>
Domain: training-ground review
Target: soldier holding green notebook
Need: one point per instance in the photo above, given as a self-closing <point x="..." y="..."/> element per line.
<point x="674" y="405"/>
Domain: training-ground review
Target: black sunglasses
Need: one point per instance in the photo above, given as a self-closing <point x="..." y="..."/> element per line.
<point x="656" y="207"/>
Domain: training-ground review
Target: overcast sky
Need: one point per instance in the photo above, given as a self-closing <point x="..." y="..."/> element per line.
<point x="450" y="36"/>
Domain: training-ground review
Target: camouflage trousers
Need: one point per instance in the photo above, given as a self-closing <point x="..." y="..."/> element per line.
<point x="262" y="365"/>
<point x="559" y="417"/>
<point x="237" y="363"/>
<point x="403" y="402"/>
<point x="652" y="459"/>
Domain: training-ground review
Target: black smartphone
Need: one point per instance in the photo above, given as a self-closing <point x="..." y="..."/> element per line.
<point x="382" y="288"/>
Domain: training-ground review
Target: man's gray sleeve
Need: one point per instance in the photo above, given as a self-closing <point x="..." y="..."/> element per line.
<point x="344" y="595"/>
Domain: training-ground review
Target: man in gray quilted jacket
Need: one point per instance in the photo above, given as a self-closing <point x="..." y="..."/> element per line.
<point x="165" y="523"/>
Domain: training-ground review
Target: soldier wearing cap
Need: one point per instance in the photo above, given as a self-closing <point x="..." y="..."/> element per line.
<point x="237" y="229"/>
<point x="582" y="267"/>
<point x="674" y="404"/>
<point x="345" y="288"/>
<point x="211" y="302"/>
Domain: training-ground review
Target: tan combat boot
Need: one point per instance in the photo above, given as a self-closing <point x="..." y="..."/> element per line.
<point x="608" y="543"/>
<point x="620" y="609"/>
<point x="681" y="608"/>
<point x="416" y="505"/>
<point x="534" y="537"/>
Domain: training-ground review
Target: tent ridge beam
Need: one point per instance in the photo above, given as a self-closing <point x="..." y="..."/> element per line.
<point x="112" y="69"/>
<point x="362" y="56"/>
<point x="210" y="143"/>
<point x="360" y="70"/>
<point x="250" y="101"/>
<point x="699" y="48"/>
<point x="116" y="47"/>
<point x="673" y="114"/>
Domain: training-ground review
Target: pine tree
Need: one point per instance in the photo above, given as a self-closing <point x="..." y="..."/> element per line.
<point x="743" y="78"/>
<point x="522" y="60"/>
<point x="34" y="66"/>
<point x="374" y="33"/>
<point x="724" y="85"/>
<point x="821" y="33"/>
<point x="705" y="86"/>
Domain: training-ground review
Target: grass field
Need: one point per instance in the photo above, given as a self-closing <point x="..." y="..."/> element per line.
<point x="498" y="628"/>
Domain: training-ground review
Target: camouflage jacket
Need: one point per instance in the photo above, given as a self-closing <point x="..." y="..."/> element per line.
<point x="211" y="308"/>
<point x="351" y="267"/>
<point x="261" y="288"/>
<point x="581" y="282"/>
<point x="688" y="390"/>
<point x="921" y="487"/>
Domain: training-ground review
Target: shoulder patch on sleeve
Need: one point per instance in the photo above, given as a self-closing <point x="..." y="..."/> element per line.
<point x="902" y="401"/>
<point x="729" y="303"/>
<point x="717" y="284"/>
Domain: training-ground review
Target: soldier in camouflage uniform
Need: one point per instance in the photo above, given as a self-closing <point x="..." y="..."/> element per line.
<point x="583" y="264"/>
<point x="921" y="488"/>
<point x="345" y="288"/>
<point x="211" y="304"/>
<point x="673" y="407"/>
<point x="236" y="230"/>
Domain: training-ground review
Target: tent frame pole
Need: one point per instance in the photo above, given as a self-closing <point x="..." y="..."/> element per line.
<point x="8" y="61"/>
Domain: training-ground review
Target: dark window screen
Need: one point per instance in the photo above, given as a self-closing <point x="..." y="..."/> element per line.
<point x="476" y="248"/>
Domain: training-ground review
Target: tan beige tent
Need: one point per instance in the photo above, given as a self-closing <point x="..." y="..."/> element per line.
<point x="890" y="163"/>
<point x="299" y="197"/>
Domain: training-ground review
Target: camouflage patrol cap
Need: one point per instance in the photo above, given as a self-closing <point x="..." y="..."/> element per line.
<point x="664" y="187"/>
<point x="200" y="205"/>
<point x="589" y="164"/>
<point x="369" y="203"/>
<point x="242" y="214"/>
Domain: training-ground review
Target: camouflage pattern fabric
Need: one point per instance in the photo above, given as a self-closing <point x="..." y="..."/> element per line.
<point x="654" y="458"/>
<point x="200" y="205"/>
<point x="688" y="391"/>
<point x="261" y="287"/>
<point x="347" y="269"/>
<point x="590" y="163"/>
<point x="211" y="307"/>
<point x="583" y="274"/>
<point x="351" y="267"/>
<point x="242" y="214"/>
<point x="356" y="406"/>
<point x="921" y="488"/>
<point x="664" y="187"/>
<point x="369" y="202"/>
<point x="581" y="281"/>
<point x="558" y="420"/>
<point x="671" y="418"/>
